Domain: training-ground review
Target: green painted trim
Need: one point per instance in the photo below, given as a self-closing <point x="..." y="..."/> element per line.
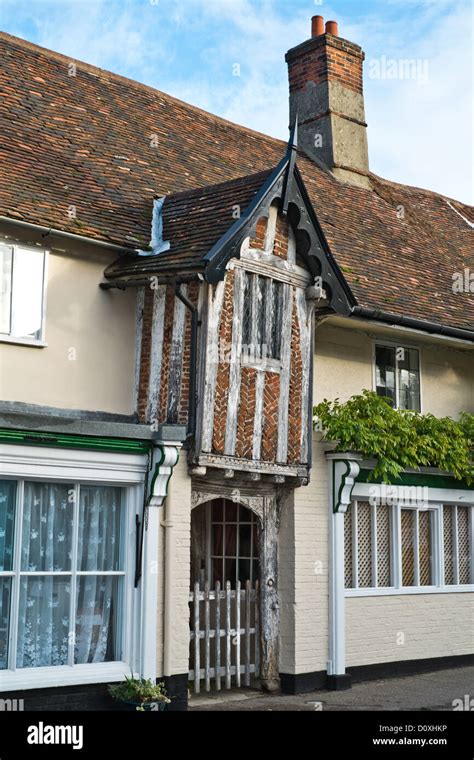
<point x="70" y="441"/>
<point x="418" y="479"/>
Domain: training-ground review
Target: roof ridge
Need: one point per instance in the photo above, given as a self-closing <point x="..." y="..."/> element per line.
<point x="106" y="74"/>
<point x="424" y="190"/>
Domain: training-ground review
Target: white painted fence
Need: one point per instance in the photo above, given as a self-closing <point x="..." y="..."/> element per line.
<point x="225" y="636"/>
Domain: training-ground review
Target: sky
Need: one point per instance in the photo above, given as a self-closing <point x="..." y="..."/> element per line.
<point x="227" y="56"/>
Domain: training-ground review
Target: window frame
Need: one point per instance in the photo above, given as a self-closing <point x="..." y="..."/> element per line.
<point x="397" y="344"/>
<point x="438" y="571"/>
<point x="223" y="557"/>
<point x="252" y="277"/>
<point x="455" y="532"/>
<point x="86" y="468"/>
<point x="24" y="340"/>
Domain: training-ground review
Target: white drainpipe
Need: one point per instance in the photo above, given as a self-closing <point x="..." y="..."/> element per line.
<point x="342" y="471"/>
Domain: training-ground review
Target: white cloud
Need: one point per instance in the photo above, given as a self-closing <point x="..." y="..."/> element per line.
<point x="421" y="133"/>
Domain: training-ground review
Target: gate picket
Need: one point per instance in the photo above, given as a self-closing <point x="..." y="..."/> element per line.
<point x="197" y="639"/>
<point x="227" y="636"/>
<point x="233" y="609"/>
<point x="218" y="635"/>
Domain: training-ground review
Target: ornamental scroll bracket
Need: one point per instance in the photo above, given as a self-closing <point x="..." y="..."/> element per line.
<point x="165" y="459"/>
<point x="345" y="469"/>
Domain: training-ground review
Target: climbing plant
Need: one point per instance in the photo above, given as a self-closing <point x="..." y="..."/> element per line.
<point x="398" y="439"/>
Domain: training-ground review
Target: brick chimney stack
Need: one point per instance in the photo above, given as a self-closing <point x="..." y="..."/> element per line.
<point x="325" y="75"/>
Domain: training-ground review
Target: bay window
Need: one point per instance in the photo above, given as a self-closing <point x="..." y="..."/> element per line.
<point x="64" y="572"/>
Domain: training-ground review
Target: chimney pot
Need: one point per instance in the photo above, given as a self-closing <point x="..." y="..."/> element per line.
<point x="326" y="93"/>
<point x="332" y="28"/>
<point x="317" y="26"/>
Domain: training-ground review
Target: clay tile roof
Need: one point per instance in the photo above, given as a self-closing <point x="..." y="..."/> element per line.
<point x="192" y="222"/>
<point x="108" y="146"/>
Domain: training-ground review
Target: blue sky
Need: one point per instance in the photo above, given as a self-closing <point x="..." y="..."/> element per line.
<point x="420" y="128"/>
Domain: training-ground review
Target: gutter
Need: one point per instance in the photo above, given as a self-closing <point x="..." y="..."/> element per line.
<point x="143" y="281"/>
<point x="45" y="231"/>
<point x="433" y="328"/>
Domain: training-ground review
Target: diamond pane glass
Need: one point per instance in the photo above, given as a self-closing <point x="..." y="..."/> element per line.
<point x="448" y="545"/>
<point x="408" y="547"/>
<point x="464" y="549"/>
<point x="364" y="544"/>
<point x="348" y="547"/>
<point x="383" y="545"/>
<point x="425" y="548"/>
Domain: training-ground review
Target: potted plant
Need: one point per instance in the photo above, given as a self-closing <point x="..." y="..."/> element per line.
<point x="140" y="694"/>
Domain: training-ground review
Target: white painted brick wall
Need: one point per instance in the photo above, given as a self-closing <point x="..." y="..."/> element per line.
<point x="408" y="627"/>
<point x="179" y="491"/>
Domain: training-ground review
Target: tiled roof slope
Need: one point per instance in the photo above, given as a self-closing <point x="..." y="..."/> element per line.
<point x="193" y="221"/>
<point x="107" y="146"/>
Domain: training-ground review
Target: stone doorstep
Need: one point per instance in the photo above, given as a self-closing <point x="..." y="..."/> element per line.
<point x="220" y="697"/>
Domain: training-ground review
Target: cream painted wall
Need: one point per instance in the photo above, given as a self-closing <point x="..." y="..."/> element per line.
<point x="408" y="627"/>
<point x="448" y="381"/>
<point x="343" y="366"/>
<point x="303" y="573"/>
<point x="96" y="327"/>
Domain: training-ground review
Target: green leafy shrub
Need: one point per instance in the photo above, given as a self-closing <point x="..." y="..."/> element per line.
<point x="138" y="690"/>
<point x="398" y="439"/>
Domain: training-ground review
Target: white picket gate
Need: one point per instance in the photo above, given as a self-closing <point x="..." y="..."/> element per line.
<point x="228" y="649"/>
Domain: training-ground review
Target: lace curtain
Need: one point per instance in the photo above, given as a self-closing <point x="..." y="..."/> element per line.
<point x="50" y="542"/>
